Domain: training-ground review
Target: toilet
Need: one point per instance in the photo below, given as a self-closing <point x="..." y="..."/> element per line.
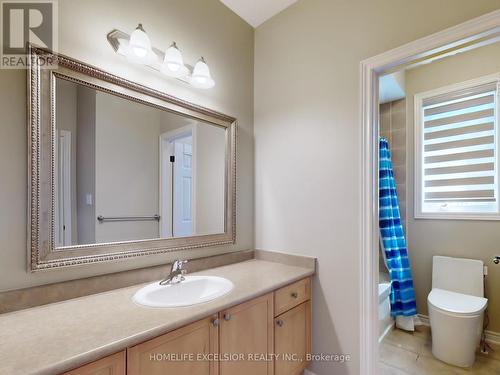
<point x="456" y="306"/>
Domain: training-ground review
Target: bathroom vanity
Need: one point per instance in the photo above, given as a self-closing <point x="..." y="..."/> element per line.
<point x="250" y="338"/>
<point x="261" y="327"/>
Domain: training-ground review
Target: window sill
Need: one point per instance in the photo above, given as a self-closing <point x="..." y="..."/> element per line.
<point x="458" y="216"/>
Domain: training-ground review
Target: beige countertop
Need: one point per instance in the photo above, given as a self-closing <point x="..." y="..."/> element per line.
<point x="61" y="336"/>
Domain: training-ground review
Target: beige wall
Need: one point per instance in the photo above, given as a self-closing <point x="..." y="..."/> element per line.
<point x="85" y="172"/>
<point x="209" y="178"/>
<point x="460" y="238"/>
<point x="308" y="141"/>
<point x="127" y="165"/>
<point x="200" y="27"/>
<point x="170" y="121"/>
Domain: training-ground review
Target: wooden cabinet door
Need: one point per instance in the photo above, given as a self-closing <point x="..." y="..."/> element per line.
<point x="184" y="351"/>
<point x="246" y="338"/>
<point x="111" y="365"/>
<point x="292" y="340"/>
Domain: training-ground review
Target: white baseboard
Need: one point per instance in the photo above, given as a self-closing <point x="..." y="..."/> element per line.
<point x="424" y="319"/>
<point x="491" y="336"/>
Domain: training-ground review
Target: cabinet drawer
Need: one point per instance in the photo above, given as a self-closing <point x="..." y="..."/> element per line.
<point x="292" y="295"/>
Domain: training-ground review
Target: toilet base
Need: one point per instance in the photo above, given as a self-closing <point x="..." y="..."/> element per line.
<point x="455" y="339"/>
<point x="445" y="357"/>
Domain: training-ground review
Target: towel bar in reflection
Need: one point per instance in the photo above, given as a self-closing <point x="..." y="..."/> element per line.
<point x="102" y="219"/>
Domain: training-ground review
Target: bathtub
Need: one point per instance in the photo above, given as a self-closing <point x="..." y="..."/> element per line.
<point x="386" y="322"/>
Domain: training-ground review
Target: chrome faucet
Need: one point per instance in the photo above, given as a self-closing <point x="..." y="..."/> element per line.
<point x="177" y="273"/>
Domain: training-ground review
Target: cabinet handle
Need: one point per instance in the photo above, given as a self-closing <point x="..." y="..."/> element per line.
<point x="227" y="317"/>
<point x="280" y="323"/>
<point x="215" y="322"/>
<point x="295" y="294"/>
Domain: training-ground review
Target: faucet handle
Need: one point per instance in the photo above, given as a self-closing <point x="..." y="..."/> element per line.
<point x="178" y="264"/>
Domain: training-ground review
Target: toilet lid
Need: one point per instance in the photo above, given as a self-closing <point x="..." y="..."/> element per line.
<point x="457" y="303"/>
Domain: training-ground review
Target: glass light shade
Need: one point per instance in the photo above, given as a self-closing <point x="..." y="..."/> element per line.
<point x="201" y="77"/>
<point x="173" y="64"/>
<point x="139" y="47"/>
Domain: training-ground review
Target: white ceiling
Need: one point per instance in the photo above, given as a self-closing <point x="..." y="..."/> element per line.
<point x="256" y="12"/>
<point x="391" y="87"/>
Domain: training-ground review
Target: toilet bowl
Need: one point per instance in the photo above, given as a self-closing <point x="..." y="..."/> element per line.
<point x="456" y="309"/>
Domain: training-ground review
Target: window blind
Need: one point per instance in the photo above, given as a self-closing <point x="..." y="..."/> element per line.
<point x="459" y="138"/>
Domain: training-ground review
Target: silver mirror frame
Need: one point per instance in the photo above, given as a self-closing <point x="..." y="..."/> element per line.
<point x="42" y="253"/>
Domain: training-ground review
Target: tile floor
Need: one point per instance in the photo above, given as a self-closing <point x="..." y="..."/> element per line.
<point x="403" y="353"/>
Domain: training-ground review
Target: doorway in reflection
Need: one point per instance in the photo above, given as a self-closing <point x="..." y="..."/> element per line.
<point x="177" y="183"/>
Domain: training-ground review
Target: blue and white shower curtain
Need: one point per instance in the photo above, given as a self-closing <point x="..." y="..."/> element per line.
<point x="393" y="240"/>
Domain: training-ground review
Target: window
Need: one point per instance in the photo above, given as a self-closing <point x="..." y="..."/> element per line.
<point x="457" y="151"/>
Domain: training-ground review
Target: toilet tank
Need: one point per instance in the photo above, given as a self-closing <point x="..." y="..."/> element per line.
<point x="458" y="275"/>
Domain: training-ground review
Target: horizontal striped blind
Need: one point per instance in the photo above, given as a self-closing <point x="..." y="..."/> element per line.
<point x="459" y="153"/>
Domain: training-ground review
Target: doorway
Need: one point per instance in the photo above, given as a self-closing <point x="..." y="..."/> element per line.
<point x="177" y="183"/>
<point x="479" y="31"/>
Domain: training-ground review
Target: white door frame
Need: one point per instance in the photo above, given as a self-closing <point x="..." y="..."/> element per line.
<point x="477" y="29"/>
<point x="165" y="179"/>
<point x="63" y="178"/>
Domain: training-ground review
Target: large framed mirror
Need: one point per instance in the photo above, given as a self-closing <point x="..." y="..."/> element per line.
<point x="119" y="170"/>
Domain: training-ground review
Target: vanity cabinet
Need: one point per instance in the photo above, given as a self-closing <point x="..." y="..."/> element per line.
<point x="185" y="351"/>
<point x="246" y="337"/>
<point x="112" y="365"/>
<point x="292" y="327"/>
<point x="268" y="335"/>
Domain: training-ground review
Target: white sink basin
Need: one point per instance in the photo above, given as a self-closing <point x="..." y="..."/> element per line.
<point x="191" y="291"/>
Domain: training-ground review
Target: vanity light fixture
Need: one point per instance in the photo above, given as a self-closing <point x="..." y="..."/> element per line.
<point x="137" y="48"/>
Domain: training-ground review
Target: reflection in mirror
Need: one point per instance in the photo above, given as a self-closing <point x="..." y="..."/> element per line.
<point x="129" y="171"/>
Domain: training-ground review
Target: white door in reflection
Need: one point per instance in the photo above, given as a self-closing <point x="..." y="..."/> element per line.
<point x="183" y="186"/>
<point x="177" y="183"/>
